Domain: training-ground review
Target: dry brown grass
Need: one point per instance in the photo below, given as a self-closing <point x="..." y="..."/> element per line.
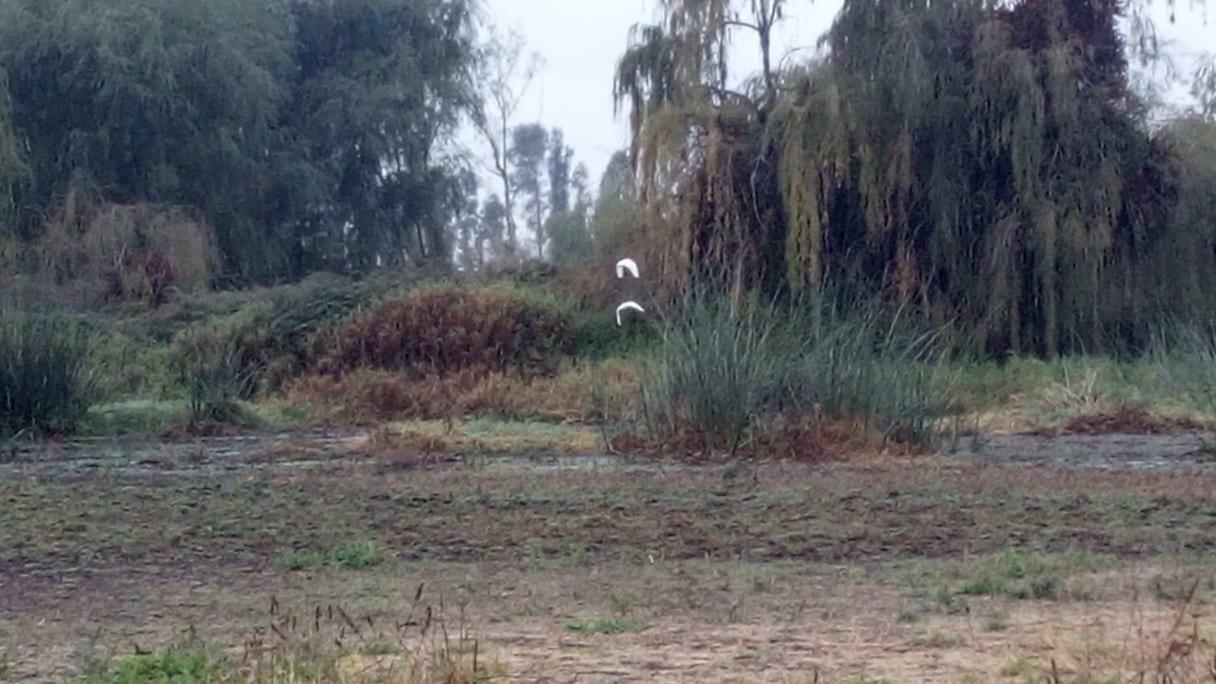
<point x="585" y="393"/>
<point x="423" y="440"/>
<point x="1128" y="420"/>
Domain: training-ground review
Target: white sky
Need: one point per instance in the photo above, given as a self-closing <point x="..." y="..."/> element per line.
<point x="581" y="40"/>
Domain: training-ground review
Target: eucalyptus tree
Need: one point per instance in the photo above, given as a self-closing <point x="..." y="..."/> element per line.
<point x="492" y="230"/>
<point x="529" y="146"/>
<point x="570" y="230"/>
<point x="559" y="170"/>
<point x="506" y="74"/>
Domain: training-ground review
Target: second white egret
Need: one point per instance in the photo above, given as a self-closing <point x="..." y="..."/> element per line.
<point x="627" y="306"/>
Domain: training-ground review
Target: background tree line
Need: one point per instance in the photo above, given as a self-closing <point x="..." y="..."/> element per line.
<point x="302" y="134"/>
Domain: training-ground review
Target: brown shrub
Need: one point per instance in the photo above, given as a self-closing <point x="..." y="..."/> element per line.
<point x="444" y="330"/>
<point x="1128" y="421"/>
<point x="126" y="252"/>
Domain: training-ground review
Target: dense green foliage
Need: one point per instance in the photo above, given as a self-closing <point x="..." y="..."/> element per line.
<point x="45" y="386"/>
<point x="730" y="372"/>
<point x="306" y="133"/>
<point x="985" y="162"/>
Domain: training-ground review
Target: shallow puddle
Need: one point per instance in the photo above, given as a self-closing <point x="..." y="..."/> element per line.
<point x="331" y="449"/>
<point x="200" y="456"/>
<point x="1186" y="451"/>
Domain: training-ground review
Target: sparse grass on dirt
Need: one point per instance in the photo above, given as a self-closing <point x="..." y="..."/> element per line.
<point x="322" y="646"/>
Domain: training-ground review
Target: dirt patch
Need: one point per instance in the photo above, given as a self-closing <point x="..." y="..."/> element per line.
<point x="762" y="572"/>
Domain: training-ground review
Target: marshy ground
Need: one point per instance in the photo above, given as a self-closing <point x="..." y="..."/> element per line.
<point x="1018" y="558"/>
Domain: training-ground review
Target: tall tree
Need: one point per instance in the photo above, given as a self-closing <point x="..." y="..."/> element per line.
<point x="529" y="146"/>
<point x="380" y="84"/>
<point x="506" y="75"/>
<point x="560" y="159"/>
<point x="569" y="230"/>
<point x="493" y="228"/>
<point x="14" y="173"/>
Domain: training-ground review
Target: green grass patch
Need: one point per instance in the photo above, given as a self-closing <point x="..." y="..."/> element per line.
<point x="136" y="416"/>
<point x="611" y="625"/>
<point x="356" y="555"/>
<point x="487" y="436"/>
<point x="178" y="665"/>
<point x="1025" y="575"/>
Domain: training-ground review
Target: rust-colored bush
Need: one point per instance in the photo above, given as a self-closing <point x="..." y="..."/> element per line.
<point x="444" y="330"/>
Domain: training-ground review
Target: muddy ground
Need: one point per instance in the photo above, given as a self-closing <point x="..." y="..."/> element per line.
<point x="1005" y="560"/>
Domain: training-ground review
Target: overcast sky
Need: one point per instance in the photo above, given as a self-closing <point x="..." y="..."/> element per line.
<point x="581" y="40"/>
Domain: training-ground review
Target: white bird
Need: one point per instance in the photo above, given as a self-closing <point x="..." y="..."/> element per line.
<point x="627" y="266"/>
<point x="627" y="306"/>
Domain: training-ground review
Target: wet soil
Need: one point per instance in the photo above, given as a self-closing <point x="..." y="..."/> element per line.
<point x="132" y="541"/>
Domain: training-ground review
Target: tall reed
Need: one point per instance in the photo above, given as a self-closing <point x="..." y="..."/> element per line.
<point x="45" y="384"/>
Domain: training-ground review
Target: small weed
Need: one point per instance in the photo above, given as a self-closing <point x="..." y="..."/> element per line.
<point x="909" y="617"/>
<point x="998" y="622"/>
<point x="295" y="561"/>
<point x="1020" y="668"/>
<point x="612" y="625"/>
<point x="356" y="555"/>
<point x="950" y="603"/>
<point x="380" y="649"/>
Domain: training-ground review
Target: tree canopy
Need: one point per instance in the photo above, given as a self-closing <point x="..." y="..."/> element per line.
<point x="987" y="163"/>
<point x="307" y="133"/>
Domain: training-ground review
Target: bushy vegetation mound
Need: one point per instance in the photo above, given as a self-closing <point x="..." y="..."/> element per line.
<point x="45" y="386"/>
<point x="442" y="330"/>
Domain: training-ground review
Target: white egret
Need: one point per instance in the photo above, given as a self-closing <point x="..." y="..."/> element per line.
<point x="627" y="266"/>
<point x="627" y="306"/>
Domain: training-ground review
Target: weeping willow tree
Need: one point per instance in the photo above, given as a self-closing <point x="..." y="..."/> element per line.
<point x="983" y="161"/>
<point x="706" y="173"/>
